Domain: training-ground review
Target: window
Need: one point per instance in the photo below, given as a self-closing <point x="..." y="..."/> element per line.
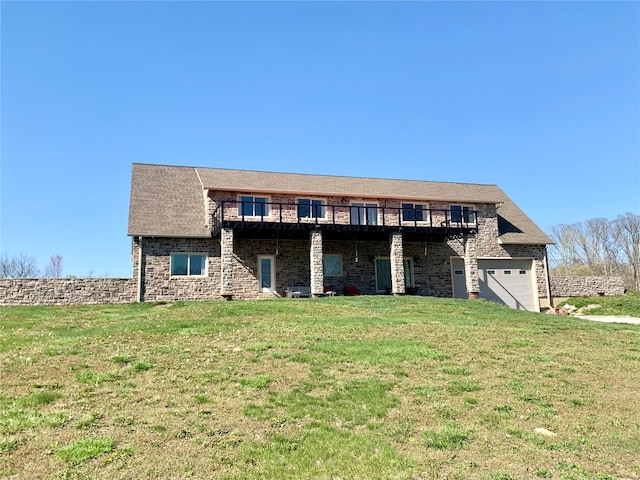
<point x="310" y="208"/>
<point x="332" y="265"/>
<point x="412" y="212"/>
<point x="464" y="214"/>
<point x="364" y="214"/>
<point x="188" y="265"/>
<point x="254" y="206"/>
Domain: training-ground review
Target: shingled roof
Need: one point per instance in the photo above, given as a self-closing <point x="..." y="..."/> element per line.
<point x="169" y="201"/>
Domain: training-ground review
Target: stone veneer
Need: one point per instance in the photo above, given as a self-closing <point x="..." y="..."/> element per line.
<point x="398" y="286"/>
<point x="316" y="264"/>
<point x="66" y="291"/>
<point x="293" y="258"/>
<point x="564" y="287"/>
<point x="237" y="277"/>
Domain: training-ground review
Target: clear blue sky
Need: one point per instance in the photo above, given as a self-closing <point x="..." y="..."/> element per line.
<point x="541" y="98"/>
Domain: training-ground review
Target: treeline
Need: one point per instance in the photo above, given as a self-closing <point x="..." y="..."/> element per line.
<point x="598" y="247"/>
<point x="25" y="266"/>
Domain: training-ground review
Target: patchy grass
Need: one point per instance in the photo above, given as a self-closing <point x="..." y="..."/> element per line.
<point x="79" y="451"/>
<point x="340" y="387"/>
<point x="627" y="304"/>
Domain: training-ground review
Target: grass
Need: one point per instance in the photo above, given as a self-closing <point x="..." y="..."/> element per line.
<point x="628" y="304"/>
<point x="340" y="387"/>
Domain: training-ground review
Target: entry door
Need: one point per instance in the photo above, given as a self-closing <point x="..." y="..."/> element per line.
<point x="383" y="274"/>
<point x="267" y="274"/>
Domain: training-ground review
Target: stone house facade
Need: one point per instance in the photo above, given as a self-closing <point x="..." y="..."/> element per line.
<point x="204" y="233"/>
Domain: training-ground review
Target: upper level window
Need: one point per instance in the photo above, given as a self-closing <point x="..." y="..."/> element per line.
<point x="364" y="214"/>
<point x="188" y="265"/>
<point x="310" y="208"/>
<point x="254" y="206"/>
<point x="412" y="212"/>
<point x="464" y="214"/>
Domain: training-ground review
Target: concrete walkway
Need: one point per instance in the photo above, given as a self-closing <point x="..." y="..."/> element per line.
<point x="610" y="318"/>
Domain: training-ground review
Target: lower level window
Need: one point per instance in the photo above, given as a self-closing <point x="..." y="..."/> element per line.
<point x="188" y="265"/>
<point x="332" y="265"/>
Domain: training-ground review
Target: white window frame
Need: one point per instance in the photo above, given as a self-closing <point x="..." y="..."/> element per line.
<point x="322" y="206"/>
<point x="340" y="273"/>
<point x="425" y="209"/>
<point x="241" y="203"/>
<point x="462" y="206"/>
<point x="366" y="206"/>
<point x="188" y="274"/>
<point x="272" y="259"/>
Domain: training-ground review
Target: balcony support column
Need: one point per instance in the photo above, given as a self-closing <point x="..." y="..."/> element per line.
<point x="226" y="261"/>
<point x="317" y="269"/>
<point x="398" y="286"/>
<point x="471" y="266"/>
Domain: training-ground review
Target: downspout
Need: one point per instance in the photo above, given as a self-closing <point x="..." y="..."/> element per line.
<point x="548" y="277"/>
<point x="140" y="266"/>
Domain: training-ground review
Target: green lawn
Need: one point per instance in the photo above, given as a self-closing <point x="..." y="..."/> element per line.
<point x="333" y="388"/>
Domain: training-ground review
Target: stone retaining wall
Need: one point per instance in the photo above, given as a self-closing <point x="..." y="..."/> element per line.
<point x="67" y="291"/>
<point x="565" y="287"/>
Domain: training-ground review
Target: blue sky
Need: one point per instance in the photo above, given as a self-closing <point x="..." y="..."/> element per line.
<point x="541" y="98"/>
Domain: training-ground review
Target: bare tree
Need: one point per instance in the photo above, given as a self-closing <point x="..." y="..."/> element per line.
<point x="626" y="231"/>
<point x="598" y="247"/>
<point x="18" y="266"/>
<point x="54" y="267"/>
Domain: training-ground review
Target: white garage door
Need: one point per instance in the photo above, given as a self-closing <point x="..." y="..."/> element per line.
<point x="510" y="282"/>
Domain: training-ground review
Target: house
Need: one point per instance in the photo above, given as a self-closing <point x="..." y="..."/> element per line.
<point x="206" y="233"/>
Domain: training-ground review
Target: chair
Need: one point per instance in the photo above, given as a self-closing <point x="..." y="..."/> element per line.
<point x="351" y="290"/>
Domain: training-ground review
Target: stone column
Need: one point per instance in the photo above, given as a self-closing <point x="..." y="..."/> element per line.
<point x="317" y="269"/>
<point x="471" y="266"/>
<point x="226" y="260"/>
<point x="398" y="286"/>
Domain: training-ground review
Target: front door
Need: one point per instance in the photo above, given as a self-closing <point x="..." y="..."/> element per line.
<point x="383" y="275"/>
<point x="267" y="274"/>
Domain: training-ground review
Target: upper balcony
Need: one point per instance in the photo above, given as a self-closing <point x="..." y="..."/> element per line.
<point x="261" y="218"/>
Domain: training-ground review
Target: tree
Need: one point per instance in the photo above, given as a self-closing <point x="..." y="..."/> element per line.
<point x="598" y="247"/>
<point x="626" y="231"/>
<point x="54" y="267"/>
<point x="18" y="266"/>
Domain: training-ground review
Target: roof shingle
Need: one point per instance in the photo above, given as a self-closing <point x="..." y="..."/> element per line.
<point x="168" y="201"/>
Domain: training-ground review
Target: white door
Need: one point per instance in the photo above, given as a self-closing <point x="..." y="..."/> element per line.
<point x="507" y="281"/>
<point x="266" y="274"/>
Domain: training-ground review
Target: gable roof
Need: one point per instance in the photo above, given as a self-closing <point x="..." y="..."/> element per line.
<point x="170" y="201"/>
<point x="166" y="202"/>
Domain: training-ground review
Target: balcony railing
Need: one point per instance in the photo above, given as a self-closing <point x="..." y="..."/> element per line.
<point x="358" y="217"/>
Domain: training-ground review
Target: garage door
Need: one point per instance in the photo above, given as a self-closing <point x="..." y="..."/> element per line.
<point x="510" y="282"/>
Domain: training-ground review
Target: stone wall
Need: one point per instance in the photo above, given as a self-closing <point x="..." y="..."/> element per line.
<point x="564" y="287"/>
<point x="67" y="291"/>
<point x="157" y="282"/>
